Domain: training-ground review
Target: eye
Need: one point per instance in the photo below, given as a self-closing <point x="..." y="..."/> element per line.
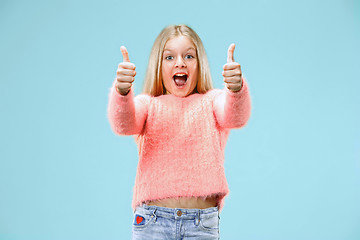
<point x="189" y="56"/>
<point x="169" y="57"/>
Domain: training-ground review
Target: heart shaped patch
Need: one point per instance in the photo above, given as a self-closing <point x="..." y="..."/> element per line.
<point x="139" y="219"/>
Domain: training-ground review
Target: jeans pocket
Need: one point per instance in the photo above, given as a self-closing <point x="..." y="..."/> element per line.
<point x="142" y="219"/>
<point x="209" y="222"/>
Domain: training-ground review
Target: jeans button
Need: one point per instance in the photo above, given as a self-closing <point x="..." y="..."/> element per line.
<point x="179" y="213"/>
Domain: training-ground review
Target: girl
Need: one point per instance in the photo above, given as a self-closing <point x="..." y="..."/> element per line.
<point x="181" y="125"/>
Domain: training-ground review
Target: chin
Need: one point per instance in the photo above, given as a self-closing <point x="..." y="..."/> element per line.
<point x="183" y="91"/>
<point x="181" y="94"/>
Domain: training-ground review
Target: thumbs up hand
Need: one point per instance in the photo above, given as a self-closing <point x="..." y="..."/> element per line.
<point x="125" y="73"/>
<point x="232" y="71"/>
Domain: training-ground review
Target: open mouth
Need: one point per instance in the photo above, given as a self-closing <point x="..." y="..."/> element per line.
<point x="180" y="79"/>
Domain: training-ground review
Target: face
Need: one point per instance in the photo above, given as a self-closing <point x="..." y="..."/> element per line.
<point x="179" y="66"/>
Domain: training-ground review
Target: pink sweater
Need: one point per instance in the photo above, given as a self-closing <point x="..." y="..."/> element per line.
<point x="181" y="141"/>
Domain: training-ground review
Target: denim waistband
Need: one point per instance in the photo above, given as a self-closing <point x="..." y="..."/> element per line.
<point x="185" y="213"/>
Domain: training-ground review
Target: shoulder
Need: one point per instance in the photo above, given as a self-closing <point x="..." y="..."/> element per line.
<point x="143" y="98"/>
<point x="213" y="93"/>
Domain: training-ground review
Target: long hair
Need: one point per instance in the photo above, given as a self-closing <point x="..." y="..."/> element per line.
<point x="153" y="84"/>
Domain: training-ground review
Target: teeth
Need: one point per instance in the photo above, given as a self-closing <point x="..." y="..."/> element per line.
<point x="180" y="75"/>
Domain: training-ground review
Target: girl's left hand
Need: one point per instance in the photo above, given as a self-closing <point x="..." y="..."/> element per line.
<point x="232" y="71"/>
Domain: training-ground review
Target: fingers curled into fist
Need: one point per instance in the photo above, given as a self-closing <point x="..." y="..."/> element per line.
<point x="125" y="74"/>
<point x="232" y="71"/>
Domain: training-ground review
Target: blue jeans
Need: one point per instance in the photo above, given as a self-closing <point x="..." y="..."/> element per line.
<point x="154" y="222"/>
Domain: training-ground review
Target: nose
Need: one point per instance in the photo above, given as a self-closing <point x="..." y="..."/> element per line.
<point x="180" y="62"/>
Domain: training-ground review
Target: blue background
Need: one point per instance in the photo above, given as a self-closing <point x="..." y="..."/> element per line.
<point x="293" y="171"/>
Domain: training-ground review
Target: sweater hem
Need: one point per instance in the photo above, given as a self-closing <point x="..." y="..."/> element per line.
<point x="220" y="203"/>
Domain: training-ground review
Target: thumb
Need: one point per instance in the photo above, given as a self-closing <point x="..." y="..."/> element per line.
<point x="125" y="54"/>
<point x="230" y="56"/>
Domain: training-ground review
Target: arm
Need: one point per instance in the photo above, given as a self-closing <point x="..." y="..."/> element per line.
<point x="232" y="109"/>
<point x="126" y="113"/>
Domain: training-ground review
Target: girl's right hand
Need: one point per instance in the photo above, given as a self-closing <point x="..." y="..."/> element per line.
<point x="125" y="73"/>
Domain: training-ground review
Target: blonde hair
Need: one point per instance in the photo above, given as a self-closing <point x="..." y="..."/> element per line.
<point x="153" y="84"/>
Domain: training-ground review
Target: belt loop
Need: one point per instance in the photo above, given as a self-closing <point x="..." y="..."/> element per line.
<point x="153" y="214"/>
<point x="198" y="213"/>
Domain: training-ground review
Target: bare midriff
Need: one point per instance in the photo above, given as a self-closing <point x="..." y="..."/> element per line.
<point x="186" y="202"/>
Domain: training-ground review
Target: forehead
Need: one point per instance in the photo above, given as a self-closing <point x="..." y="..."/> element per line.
<point x="179" y="43"/>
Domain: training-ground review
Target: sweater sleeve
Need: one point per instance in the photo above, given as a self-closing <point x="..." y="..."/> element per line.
<point x="232" y="109"/>
<point x="127" y="114"/>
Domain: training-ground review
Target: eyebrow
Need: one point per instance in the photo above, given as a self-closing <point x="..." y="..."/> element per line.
<point x="167" y="49"/>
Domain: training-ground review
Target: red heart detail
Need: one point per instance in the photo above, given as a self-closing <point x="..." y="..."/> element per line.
<point x="139" y="219"/>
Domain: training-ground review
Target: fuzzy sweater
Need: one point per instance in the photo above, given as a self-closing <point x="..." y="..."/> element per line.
<point x="181" y="140"/>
